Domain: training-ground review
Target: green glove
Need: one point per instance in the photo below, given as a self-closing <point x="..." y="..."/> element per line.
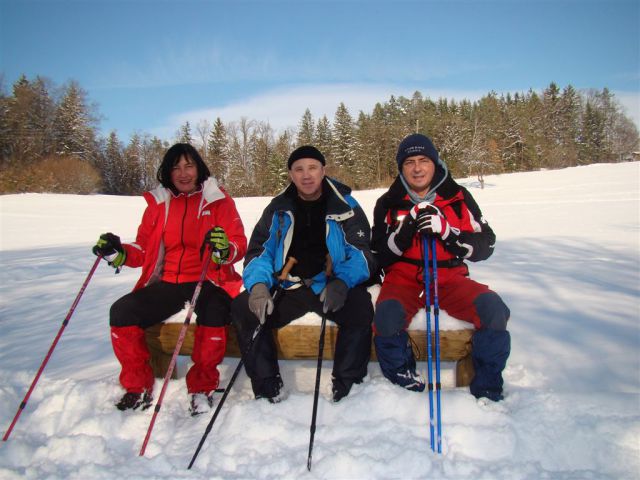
<point x="110" y="248"/>
<point x="218" y="241"/>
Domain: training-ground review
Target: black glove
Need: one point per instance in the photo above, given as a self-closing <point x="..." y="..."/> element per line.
<point x="260" y="302"/>
<point x="403" y="236"/>
<point x="110" y="248"/>
<point x="334" y="295"/>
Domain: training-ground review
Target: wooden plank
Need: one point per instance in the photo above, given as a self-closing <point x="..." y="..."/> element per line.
<point x="301" y="341"/>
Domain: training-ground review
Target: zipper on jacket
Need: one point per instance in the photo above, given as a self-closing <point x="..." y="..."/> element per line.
<point x="184" y="216"/>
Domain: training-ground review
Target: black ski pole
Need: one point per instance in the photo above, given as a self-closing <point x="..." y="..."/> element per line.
<point x="283" y="275"/>
<point x="316" y="392"/>
<point x="224" y="397"/>
<point x="176" y="351"/>
<point x="23" y="404"/>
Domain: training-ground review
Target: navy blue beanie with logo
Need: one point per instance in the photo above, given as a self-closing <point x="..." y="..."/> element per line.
<point x="305" y="151"/>
<point x="416" y="144"/>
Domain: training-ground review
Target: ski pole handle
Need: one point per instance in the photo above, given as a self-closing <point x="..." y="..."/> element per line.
<point x="284" y="273"/>
<point x="328" y="268"/>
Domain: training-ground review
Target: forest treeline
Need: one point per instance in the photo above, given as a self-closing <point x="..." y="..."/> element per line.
<point x="49" y="140"/>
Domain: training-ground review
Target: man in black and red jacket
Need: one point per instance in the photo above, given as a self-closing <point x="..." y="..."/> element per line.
<point x="425" y="200"/>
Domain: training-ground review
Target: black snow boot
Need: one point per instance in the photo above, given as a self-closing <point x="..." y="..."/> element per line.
<point x="270" y="388"/>
<point x="133" y="400"/>
<point x="201" y="403"/>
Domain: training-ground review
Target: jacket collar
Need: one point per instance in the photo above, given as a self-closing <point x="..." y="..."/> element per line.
<point x="397" y="192"/>
<point x="334" y="193"/>
<point x="210" y="192"/>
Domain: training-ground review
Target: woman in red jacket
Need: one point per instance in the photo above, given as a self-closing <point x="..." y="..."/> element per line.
<point x="184" y="214"/>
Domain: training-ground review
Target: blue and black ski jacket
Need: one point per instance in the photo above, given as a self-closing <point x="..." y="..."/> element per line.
<point x="347" y="237"/>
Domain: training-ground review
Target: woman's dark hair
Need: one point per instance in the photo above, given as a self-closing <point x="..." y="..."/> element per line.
<point x="173" y="156"/>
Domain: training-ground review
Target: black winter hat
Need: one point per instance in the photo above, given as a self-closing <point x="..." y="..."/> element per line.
<point x="305" y="151"/>
<point x="416" y="144"/>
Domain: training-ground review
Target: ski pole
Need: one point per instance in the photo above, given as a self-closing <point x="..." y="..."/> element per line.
<point x="436" y="327"/>
<point x="283" y="275"/>
<point x="176" y="350"/>
<point x="427" y="290"/>
<point x="317" y="389"/>
<point x="53" y="346"/>
<point x="316" y="392"/>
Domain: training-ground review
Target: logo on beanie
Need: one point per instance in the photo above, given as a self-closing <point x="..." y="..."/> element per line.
<point x="414" y="150"/>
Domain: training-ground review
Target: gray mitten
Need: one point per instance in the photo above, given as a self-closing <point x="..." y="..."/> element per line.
<point x="334" y="295"/>
<point x="260" y="302"/>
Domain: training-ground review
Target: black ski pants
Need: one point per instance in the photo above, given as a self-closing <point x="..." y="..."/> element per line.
<point x="157" y="302"/>
<point x="353" y="343"/>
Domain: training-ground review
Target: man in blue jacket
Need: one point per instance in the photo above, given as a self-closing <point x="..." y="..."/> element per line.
<point x="314" y="220"/>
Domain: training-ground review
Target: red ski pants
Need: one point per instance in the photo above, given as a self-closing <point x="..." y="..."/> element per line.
<point x="136" y="375"/>
<point x="152" y="304"/>
<point x="456" y="296"/>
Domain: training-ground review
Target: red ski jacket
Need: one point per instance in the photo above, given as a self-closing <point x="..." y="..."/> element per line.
<point x="184" y="229"/>
<point x="476" y="237"/>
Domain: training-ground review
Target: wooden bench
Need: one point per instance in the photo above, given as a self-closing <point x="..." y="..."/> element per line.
<point x="300" y="342"/>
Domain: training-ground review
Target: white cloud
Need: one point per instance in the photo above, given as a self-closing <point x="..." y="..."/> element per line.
<point x="284" y="107"/>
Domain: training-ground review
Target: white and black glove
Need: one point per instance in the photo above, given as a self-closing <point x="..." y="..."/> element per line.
<point x="334" y="295"/>
<point x="260" y="302"/>
<point x="430" y="221"/>
<point x="412" y="223"/>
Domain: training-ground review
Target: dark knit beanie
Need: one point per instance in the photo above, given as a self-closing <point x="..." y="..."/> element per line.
<point x="306" y="151"/>
<point x="416" y="144"/>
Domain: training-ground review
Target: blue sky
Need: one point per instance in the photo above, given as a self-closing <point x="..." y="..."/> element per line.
<point x="151" y="65"/>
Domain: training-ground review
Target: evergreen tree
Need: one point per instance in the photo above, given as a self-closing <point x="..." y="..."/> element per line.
<point x="306" y="134"/>
<point x="218" y="151"/>
<point x="618" y="130"/>
<point x="28" y="122"/>
<point x="240" y="170"/>
<point x="553" y="129"/>
<point x="277" y="176"/>
<point x="343" y="143"/>
<point x="324" y="138"/>
<point x="112" y="165"/>
<point x="569" y="111"/>
<point x="592" y="137"/>
<point x="365" y="166"/>
<point x="261" y="150"/>
<point x="133" y="174"/>
<point x="381" y="154"/>
<point x="395" y="130"/>
<point x="184" y="134"/>
<point x="5" y="132"/>
<point x="153" y="153"/>
<point x="74" y="125"/>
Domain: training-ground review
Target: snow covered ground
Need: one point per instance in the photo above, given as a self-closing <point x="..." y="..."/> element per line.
<point x="567" y="263"/>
